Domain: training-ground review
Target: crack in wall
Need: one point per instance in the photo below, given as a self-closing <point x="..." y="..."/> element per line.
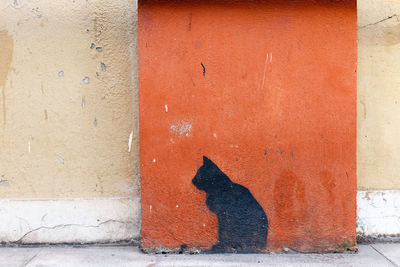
<point x="380" y="21"/>
<point x="20" y="240"/>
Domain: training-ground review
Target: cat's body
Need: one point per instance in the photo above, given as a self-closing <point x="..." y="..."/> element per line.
<point x="243" y="224"/>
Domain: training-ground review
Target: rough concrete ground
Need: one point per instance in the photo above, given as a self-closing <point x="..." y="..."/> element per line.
<point x="368" y="255"/>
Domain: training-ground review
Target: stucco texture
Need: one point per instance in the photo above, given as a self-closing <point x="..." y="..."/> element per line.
<point x="267" y="91"/>
<point x="68" y="99"/>
<point x="378" y="111"/>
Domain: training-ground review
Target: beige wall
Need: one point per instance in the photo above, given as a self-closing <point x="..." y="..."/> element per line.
<point x="59" y="136"/>
<point x="50" y="145"/>
<point x="378" y="94"/>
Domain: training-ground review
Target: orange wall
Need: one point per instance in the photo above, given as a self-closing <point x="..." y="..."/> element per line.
<point x="275" y="110"/>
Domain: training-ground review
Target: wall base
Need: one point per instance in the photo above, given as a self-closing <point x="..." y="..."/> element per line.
<point x="96" y="220"/>
<point x="109" y="220"/>
<point x="378" y="215"/>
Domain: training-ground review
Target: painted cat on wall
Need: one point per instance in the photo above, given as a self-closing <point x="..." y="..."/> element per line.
<point x="243" y="224"/>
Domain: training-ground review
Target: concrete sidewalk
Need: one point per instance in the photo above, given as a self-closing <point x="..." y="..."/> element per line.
<point x="368" y="255"/>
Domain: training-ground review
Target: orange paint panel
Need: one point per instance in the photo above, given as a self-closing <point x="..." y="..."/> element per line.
<point x="265" y="90"/>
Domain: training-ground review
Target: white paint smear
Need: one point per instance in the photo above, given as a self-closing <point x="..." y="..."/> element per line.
<point x="130" y="141"/>
<point x="265" y="70"/>
<point x="29" y="144"/>
<point x="166" y="108"/>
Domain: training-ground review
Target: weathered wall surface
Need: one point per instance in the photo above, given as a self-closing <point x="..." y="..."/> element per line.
<point x="68" y="115"/>
<point x="267" y="91"/>
<point x="378" y="153"/>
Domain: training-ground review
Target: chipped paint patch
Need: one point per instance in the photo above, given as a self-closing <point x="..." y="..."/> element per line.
<point x="103" y="66"/>
<point x="86" y="80"/>
<point x="181" y="128"/>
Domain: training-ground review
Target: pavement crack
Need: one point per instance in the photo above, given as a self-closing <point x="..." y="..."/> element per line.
<point x="380" y="21"/>
<point x="383" y="255"/>
<point x="67" y="225"/>
<point x="31" y="259"/>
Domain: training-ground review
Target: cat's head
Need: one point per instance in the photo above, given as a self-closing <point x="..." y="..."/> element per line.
<point x="208" y="176"/>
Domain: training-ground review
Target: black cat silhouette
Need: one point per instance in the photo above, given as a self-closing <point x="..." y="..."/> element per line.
<point x="243" y="224"/>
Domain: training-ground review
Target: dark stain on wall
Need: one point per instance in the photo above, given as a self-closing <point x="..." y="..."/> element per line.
<point x="243" y="224"/>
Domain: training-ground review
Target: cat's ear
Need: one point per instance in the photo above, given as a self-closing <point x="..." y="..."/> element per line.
<point x="207" y="161"/>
